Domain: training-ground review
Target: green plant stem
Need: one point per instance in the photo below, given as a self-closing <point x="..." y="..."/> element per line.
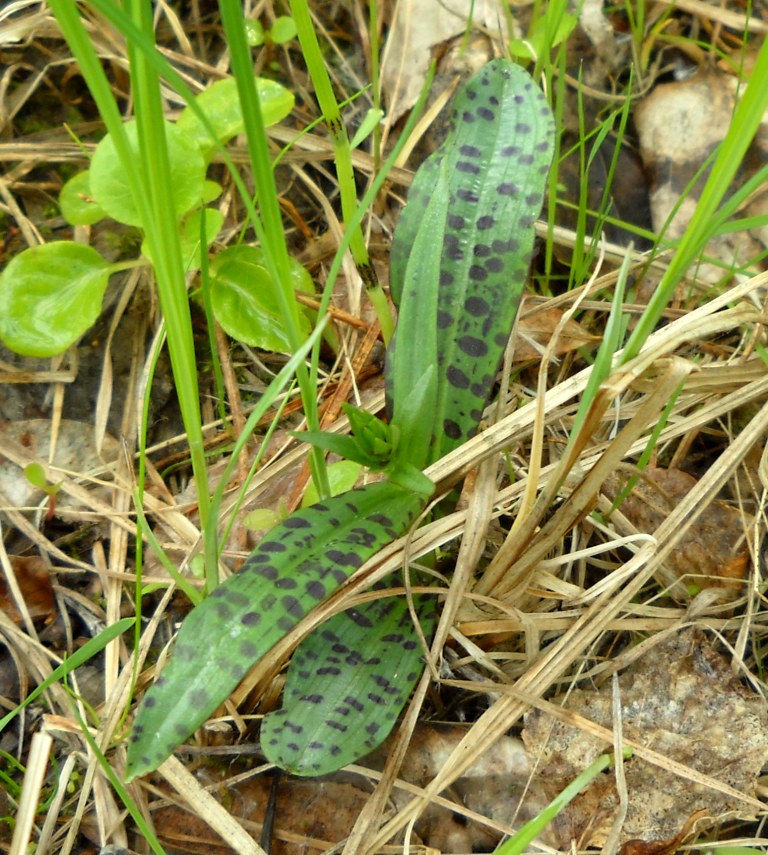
<point x="343" y="157"/>
<point x="271" y="235"/>
<point x="149" y="185"/>
<point x="162" y="235"/>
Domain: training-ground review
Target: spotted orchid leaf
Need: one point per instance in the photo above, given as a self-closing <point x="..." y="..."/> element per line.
<point x="296" y="566"/>
<point x="458" y="266"/>
<point x="462" y="247"/>
<point x="341" y="699"/>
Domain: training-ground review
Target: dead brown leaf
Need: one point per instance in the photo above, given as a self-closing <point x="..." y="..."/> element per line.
<point x="713" y="552"/>
<point x="681" y="699"/>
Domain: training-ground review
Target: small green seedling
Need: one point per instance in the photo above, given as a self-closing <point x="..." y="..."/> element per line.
<point x="35" y="474"/>
<point x="282" y="30"/>
<point x="520" y="841"/>
<point x="459" y="264"/>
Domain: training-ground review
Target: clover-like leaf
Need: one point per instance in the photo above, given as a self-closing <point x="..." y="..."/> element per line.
<point x="49" y="296"/>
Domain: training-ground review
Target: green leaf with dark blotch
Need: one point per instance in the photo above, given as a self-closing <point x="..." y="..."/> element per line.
<point x="347" y="684"/>
<point x="477" y="198"/>
<point x="296" y="566"/>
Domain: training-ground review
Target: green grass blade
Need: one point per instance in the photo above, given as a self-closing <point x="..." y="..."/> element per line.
<point x="744" y="124"/>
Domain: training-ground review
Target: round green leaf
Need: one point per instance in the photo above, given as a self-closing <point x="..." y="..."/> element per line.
<point x="244" y="301"/>
<point x="283" y="30"/>
<point x="49" y="296"/>
<point x="254" y="33"/>
<point x="190" y="236"/>
<point x="110" y="188"/>
<point x="76" y="203"/>
<point x="221" y="104"/>
<point x="342" y="476"/>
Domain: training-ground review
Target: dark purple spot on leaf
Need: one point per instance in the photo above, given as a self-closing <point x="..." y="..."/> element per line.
<point x="223" y="611"/>
<point x="494" y="265"/>
<point x="359" y="618"/>
<point x="354" y="703"/>
<point x="248" y="650"/>
<point x="467" y="195"/>
<point x="149" y="700"/>
<point x="198" y="698"/>
<point x="456" y="377"/>
<point x="341" y="710"/>
<point x="372" y="727"/>
<point x="297" y="522"/>
<point x="328" y="672"/>
<point x="525" y="159"/>
<point x="316" y="590"/>
<point x="466" y="166"/>
<point x="443" y="320"/>
<point x="376" y="699"/>
<point x="476" y="306"/>
<point x="446" y="277"/>
<point x="472" y="346"/>
<point x="272" y="546"/>
<point x="467" y="117"/>
<point x="470" y="151"/>
<point x="393" y="638"/>
<point x="336" y="725"/>
<point x="507" y="188"/>
<point x="286" y="584"/>
<point x="509" y="245"/>
<point x="451" y="429"/>
<point x="486" y="113"/>
<point x="522" y="128"/>
<point x="292" y="606"/>
<point x="481" y="250"/>
<point x="477" y="273"/>
<point x="485" y="222"/>
<point x="510" y="150"/>
<point x="250" y="619"/>
<point x="456" y="221"/>
<point x="313" y="699"/>
<point x="345" y="559"/>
